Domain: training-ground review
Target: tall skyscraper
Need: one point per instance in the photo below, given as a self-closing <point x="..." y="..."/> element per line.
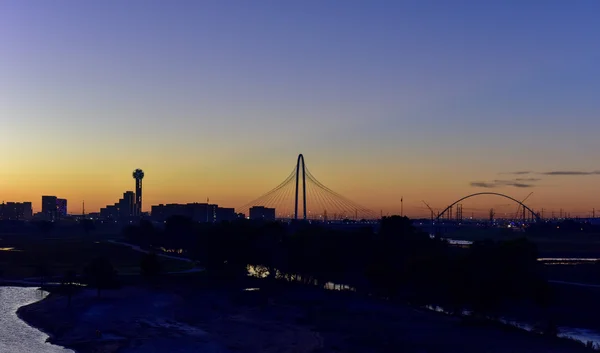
<point x="53" y="208"/>
<point x="61" y="208"/>
<point x="138" y="175"/>
<point x="49" y="207"/>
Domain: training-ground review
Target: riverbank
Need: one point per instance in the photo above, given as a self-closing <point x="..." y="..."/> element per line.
<point x="16" y="336"/>
<point x="192" y="314"/>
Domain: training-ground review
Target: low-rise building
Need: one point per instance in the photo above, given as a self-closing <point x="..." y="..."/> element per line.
<point x="198" y="212"/>
<point x="261" y="212"/>
<point x="16" y="211"/>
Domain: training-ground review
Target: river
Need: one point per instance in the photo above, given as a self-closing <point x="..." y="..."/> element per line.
<point x="580" y="334"/>
<point x="15" y="335"/>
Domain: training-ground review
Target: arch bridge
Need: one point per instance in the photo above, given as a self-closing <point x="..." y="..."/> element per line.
<point x="537" y="217"/>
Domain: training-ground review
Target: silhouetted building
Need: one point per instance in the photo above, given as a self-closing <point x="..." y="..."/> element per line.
<point x="127" y="205"/>
<point x="16" y="211"/>
<point x="161" y="213"/>
<point x="61" y="208"/>
<point x="224" y="214"/>
<point x="198" y="212"/>
<point x="109" y="212"/>
<point x="49" y="210"/>
<point x="93" y="215"/>
<point x="261" y="212"/>
<point x="53" y="208"/>
<point x="121" y="210"/>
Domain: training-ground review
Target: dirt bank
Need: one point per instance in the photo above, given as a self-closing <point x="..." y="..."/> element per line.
<point x="187" y="318"/>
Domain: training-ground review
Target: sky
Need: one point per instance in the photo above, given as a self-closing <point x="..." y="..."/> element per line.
<point x="420" y="100"/>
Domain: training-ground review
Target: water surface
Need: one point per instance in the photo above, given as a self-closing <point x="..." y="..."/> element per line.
<point x="15" y="335"/>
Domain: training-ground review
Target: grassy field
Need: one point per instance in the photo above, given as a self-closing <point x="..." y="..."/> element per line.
<point x="22" y="256"/>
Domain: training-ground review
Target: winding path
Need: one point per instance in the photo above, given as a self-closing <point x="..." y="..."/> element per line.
<point x="185" y="259"/>
<point x="139" y="249"/>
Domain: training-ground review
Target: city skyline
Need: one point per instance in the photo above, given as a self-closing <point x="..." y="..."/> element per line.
<point x="475" y="207"/>
<point x="420" y="100"/>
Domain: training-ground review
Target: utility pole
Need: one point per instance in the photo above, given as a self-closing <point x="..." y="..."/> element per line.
<point x="430" y="209"/>
<point x="83" y="207"/>
<point x="593" y="213"/>
<point x="401" y="206"/>
<point x="542" y="213"/>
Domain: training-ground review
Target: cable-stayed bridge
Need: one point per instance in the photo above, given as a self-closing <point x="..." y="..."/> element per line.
<point x="302" y="196"/>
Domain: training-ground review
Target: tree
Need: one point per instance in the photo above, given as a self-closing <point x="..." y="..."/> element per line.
<point x="88" y="225"/>
<point x="68" y="284"/>
<point x="45" y="226"/>
<point x="143" y="234"/>
<point x="150" y="265"/>
<point x="101" y="274"/>
<point x="43" y="272"/>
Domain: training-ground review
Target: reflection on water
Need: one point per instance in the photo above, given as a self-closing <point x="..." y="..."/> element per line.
<point x="9" y="249"/>
<point x="172" y="251"/>
<point x="568" y="260"/>
<point x="458" y="241"/>
<point x="262" y="272"/>
<point x="15" y="335"/>
<point x="545" y="260"/>
<point x="579" y="334"/>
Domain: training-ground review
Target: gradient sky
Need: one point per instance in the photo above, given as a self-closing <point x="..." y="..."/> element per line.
<point x="215" y="98"/>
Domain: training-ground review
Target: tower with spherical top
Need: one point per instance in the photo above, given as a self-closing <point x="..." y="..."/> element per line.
<point x="138" y="175"/>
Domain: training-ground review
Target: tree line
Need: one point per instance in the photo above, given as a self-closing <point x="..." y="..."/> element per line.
<point x="397" y="262"/>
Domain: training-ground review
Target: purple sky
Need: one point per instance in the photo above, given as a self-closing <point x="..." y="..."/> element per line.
<point x="442" y="92"/>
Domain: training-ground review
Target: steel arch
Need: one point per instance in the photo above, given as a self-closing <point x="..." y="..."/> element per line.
<point x="537" y="217"/>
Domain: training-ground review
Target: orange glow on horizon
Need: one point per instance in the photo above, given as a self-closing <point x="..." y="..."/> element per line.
<point x="229" y="186"/>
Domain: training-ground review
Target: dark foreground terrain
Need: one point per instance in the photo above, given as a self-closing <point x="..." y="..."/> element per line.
<point x="206" y="317"/>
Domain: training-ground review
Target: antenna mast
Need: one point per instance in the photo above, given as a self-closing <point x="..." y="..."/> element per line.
<point x="430" y="209"/>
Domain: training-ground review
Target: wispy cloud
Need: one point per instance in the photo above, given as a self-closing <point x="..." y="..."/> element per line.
<point x="550" y="173"/>
<point x="528" y="182"/>
<point x="521" y="172"/>
<point x="522" y="185"/>
<point x="498" y="183"/>
<point x="571" y="172"/>
<point x="482" y="184"/>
